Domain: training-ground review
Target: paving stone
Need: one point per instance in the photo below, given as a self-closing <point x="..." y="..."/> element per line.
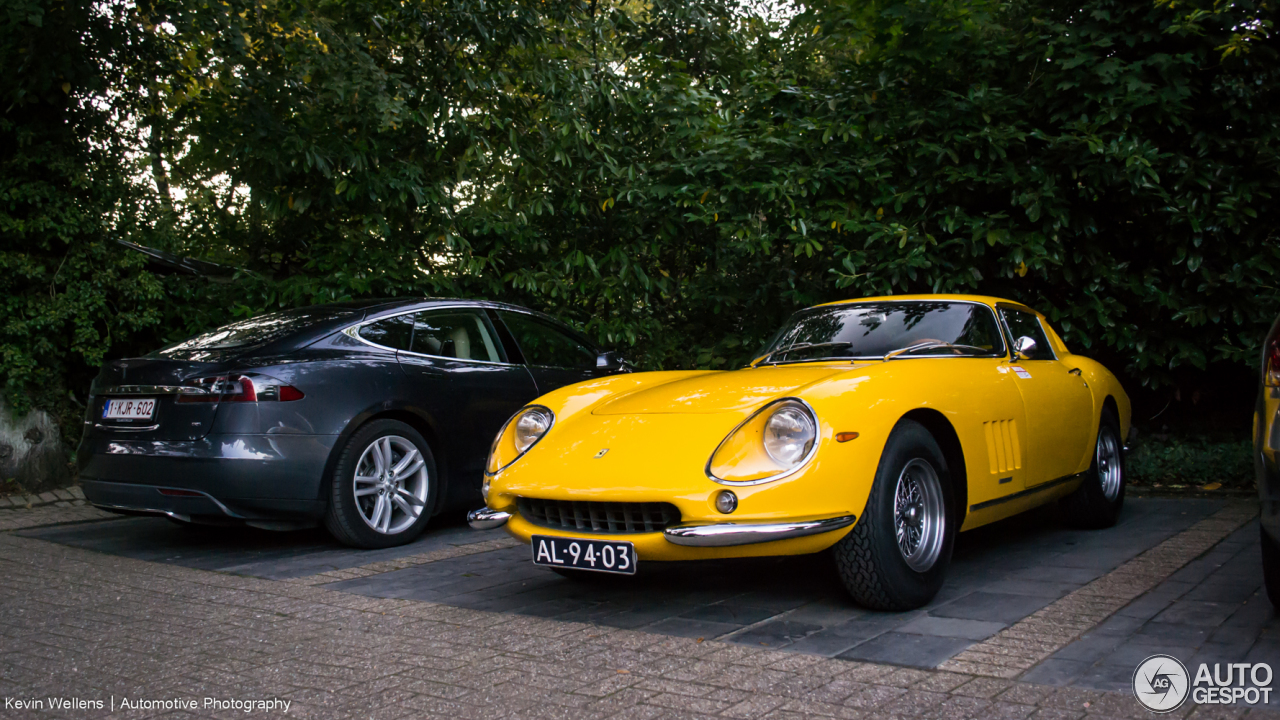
<point x="136" y="626"/>
<point x="1057" y="671"/>
<point x="1121" y="591"/>
<point x="903" y="649"/>
<point x="730" y="613"/>
<point x="1004" y="608"/>
<point x="685" y="627"/>
<point x="1204" y="614"/>
<point x="952" y="627"/>
<point x="778" y="633"/>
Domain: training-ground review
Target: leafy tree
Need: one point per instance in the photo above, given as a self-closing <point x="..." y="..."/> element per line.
<point x="68" y="184"/>
<point x="675" y="177"/>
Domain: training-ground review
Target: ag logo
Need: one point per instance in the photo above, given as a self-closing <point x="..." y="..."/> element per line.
<point x="1161" y="683"/>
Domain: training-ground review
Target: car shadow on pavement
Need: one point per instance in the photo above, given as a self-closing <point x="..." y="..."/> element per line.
<point x="244" y="550"/>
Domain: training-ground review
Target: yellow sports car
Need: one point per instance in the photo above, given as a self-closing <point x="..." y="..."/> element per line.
<point x="876" y="428"/>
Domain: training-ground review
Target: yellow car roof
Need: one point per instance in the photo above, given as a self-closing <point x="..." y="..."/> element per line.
<point x="984" y="299"/>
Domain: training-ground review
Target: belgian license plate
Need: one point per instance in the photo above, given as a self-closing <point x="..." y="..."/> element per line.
<point x="137" y="409"/>
<point x="582" y="554"/>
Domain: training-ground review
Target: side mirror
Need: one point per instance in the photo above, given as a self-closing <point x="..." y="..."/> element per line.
<point x="1024" y="348"/>
<point x="610" y="360"/>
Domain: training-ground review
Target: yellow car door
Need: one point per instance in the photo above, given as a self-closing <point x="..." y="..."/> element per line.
<point x="1059" y="405"/>
<point x="990" y="415"/>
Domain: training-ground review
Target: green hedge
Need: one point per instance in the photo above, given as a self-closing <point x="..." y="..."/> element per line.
<point x="675" y="176"/>
<point x="1191" y="462"/>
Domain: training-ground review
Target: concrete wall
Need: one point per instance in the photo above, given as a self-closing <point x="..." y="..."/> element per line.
<point x="31" y="453"/>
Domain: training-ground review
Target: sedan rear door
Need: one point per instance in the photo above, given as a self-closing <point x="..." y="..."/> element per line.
<point x="465" y="381"/>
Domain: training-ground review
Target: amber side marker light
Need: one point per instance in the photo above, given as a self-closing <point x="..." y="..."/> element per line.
<point x="1272" y="375"/>
<point x="846" y="436"/>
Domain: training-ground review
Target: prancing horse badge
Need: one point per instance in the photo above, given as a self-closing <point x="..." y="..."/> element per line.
<point x="600" y="454"/>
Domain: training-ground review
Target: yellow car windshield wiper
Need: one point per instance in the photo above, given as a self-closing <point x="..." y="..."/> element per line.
<point x="802" y="346"/>
<point x="930" y="345"/>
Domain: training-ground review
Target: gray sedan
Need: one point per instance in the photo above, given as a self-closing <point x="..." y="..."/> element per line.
<point x="366" y="417"/>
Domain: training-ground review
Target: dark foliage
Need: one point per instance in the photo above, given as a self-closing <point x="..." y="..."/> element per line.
<point x="675" y="177"/>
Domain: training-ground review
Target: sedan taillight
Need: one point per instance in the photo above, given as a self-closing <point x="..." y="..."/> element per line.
<point x="241" y="388"/>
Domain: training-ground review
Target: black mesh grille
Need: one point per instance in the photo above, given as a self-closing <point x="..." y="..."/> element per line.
<point x="601" y="517"/>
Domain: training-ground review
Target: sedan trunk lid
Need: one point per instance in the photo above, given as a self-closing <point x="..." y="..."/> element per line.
<point x="146" y="391"/>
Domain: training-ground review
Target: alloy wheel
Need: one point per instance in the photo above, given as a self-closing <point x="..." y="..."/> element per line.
<point x="391" y="484"/>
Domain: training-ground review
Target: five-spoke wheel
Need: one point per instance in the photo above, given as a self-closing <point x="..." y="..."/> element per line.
<point x="390" y="484"/>
<point x="383" y="486"/>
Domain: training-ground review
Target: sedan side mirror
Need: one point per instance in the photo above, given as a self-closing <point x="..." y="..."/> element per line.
<point x="610" y="360"/>
<point x="1024" y="347"/>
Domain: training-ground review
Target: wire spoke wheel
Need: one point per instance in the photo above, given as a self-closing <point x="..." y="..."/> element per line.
<point x="390" y="484"/>
<point x="1110" y="469"/>
<point x="919" y="515"/>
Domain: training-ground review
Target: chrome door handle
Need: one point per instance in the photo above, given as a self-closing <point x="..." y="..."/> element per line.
<point x="1074" y="371"/>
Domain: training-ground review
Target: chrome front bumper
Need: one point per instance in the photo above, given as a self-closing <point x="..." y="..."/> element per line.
<point x="703" y="534"/>
<point x="486" y="519"/>
<point x="727" y="534"/>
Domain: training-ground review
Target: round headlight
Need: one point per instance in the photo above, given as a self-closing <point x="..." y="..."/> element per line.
<point x="530" y="427"/>
<point x="788" y="434"/>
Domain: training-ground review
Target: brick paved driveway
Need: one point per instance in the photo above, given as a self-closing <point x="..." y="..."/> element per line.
<point x="135" y="606"/>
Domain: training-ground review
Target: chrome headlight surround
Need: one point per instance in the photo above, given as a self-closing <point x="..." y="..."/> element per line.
<point x="511" y="424"/>
<point x="770" y="408"/>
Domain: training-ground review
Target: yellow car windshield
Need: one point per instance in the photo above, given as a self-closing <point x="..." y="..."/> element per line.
<point x="877" y="330"/>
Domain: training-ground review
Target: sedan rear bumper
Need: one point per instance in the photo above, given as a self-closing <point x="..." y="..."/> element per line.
<point x="148" y="499"/>
<point x="249" y="477"/>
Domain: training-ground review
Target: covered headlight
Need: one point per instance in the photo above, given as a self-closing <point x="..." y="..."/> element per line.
<point x="531" y="425"/>
<point x="788" y="434"/>
<point x="775" y="441"/>
<point x="521" y="432"/>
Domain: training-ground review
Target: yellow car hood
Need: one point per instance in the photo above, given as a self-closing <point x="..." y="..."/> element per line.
<point x="719" y="392"/>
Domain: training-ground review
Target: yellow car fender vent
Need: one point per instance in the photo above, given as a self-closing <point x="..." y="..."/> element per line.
<point x="1003" y="449"/>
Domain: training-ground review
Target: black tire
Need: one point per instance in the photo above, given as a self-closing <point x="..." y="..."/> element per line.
<point x="1271" y="567"/>
<point x="870" y="564"/>
<point x="1088" y="505"/>
<point x="344" y="518"/>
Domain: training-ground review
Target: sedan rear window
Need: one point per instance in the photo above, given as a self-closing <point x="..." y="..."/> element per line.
<point x="255" y="331"/>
